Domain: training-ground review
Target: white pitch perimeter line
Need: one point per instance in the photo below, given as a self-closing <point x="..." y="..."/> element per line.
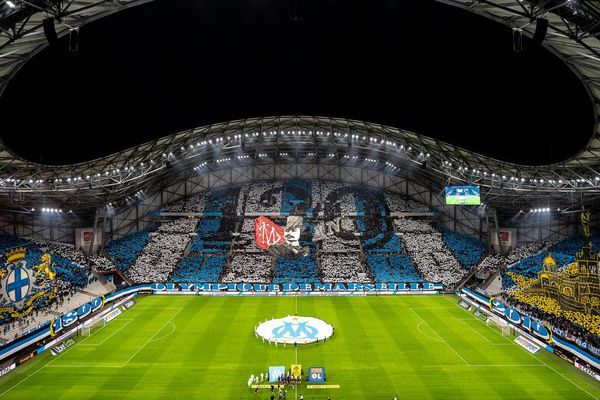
<point x="544" y="363"/>
<point x="114" y="333"/>
<point x="441" y="338"/>
<point x="486" y="339"/>
<point x="152" y="337"/>
<point x="45" y="365"/>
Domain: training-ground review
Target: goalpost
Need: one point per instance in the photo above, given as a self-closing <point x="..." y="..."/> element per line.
<point x="88" y="326"/>
<point x="506" y="328"/>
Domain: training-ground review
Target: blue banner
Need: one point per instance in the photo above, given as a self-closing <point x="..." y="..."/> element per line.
<point x="316" y="374"/>
<point x="297" y="287"/>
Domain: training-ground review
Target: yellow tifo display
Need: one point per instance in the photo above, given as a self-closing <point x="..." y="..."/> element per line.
<point x="549" y="304"/>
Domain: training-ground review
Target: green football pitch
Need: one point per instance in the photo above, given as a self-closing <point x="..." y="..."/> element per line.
<point x="415" y="347"/>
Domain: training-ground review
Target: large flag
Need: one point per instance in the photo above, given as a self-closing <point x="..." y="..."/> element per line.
<point x="267" y="233"/>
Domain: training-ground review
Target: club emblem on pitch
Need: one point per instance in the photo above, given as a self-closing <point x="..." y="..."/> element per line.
<point x="294" y="329"/>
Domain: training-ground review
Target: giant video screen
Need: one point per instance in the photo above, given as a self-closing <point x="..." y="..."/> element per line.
<point x="462" y="195"/>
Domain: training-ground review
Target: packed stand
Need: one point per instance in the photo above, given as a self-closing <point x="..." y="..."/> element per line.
<point x="99" y="262"/>
<point x="125" y="250"/>
<point x="158" y="258"/>
<point x="467" y="250"/>
<point x="197" y="268"/>
<point x="530" y="266"/>
<point x="332" y="198"/>
<point x="494" y="262"/>
<point x="295" y="197"/>
<point x="254" y="268"/>
<point x="398" y="203"/>
<point x="340" y="237"/>
<point x="261" y="197"/>
<point x="342" y="268"/>
<point x="392" y="268"/>
<point x="245" y="242"/>
<point x="63" y="250"/>
<point x="428" y="252"/>
<point x="584" y="326"/>
<point x="296" y="270"/>
<point x="181" y="225"/>
<point x="193" y="204"/>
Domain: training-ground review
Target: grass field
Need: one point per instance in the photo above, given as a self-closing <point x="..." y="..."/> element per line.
<point x="418" y="347"/>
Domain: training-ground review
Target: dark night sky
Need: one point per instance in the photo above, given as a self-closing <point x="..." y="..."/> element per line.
<point x="167" y="66"/>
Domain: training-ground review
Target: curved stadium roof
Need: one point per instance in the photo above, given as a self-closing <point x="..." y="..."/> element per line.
<point x="572" y="36"/>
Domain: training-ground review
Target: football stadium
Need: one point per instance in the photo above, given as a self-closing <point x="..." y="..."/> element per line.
<point x="299" y="199"/>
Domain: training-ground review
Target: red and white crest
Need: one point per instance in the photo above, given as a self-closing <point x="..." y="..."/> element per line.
<point x="267" y="233"/>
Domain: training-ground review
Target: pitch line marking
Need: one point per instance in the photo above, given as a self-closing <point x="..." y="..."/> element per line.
<point x="486" y="339"/>
<point x="114" y="333"/>
<point x="543" y="362"/>
<point x="442" y="339"/>
<point x="45" y="365"/>
<point x="83" y="366"/>
<point x="505" y="365"/>
<point x="152" y="337"/>
<point x="426" y="335"/>
<point x="164" y="336"/>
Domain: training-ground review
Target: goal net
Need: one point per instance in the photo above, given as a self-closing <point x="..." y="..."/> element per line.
<point x="88" y="326"/>
<point x="506" y="328"/>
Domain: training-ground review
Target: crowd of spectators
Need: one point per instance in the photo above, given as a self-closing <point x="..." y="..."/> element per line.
<point x="99" y="262"/>
<point x="342" y="268"/>
<point x="332" y="197"/>
<point x="493" y="262"/>
<point x="158" y="258"/>
<point x="260" y="197"/>
<point x="543" y="308"/>
<point x="392" y="268"/>
<point x="467" y="250"/>
<point x="296" y="270"/>
<point x="71" y="275"/>
<point x="398" y="203"/>
<point x="198" y="268"/>
<point x="530" y="266"/>
<point x="340" y="237"/>
<point x="125" y="250"/>
<point x="193" y="204"/>
<point x="426" y="248"/>
<point x="254" y="268"/>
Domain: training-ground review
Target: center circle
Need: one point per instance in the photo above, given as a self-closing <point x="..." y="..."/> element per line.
<point x="295" y="329"/>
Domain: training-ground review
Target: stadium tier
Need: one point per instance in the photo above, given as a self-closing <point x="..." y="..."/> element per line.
<point x="337" y="219"/>
<point x="297" y="236"/>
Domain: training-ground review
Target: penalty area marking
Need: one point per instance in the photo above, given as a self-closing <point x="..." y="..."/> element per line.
<point x="47" y="364"/>
<point x="543" y="363"/>
<point x="164" y="336"/>
<point x="152" y="337"/>
<point x="111" y="335"/>
<point x="441" y="338"/>
<point x="486" y="339"/>
<point x="424" y="334"/>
